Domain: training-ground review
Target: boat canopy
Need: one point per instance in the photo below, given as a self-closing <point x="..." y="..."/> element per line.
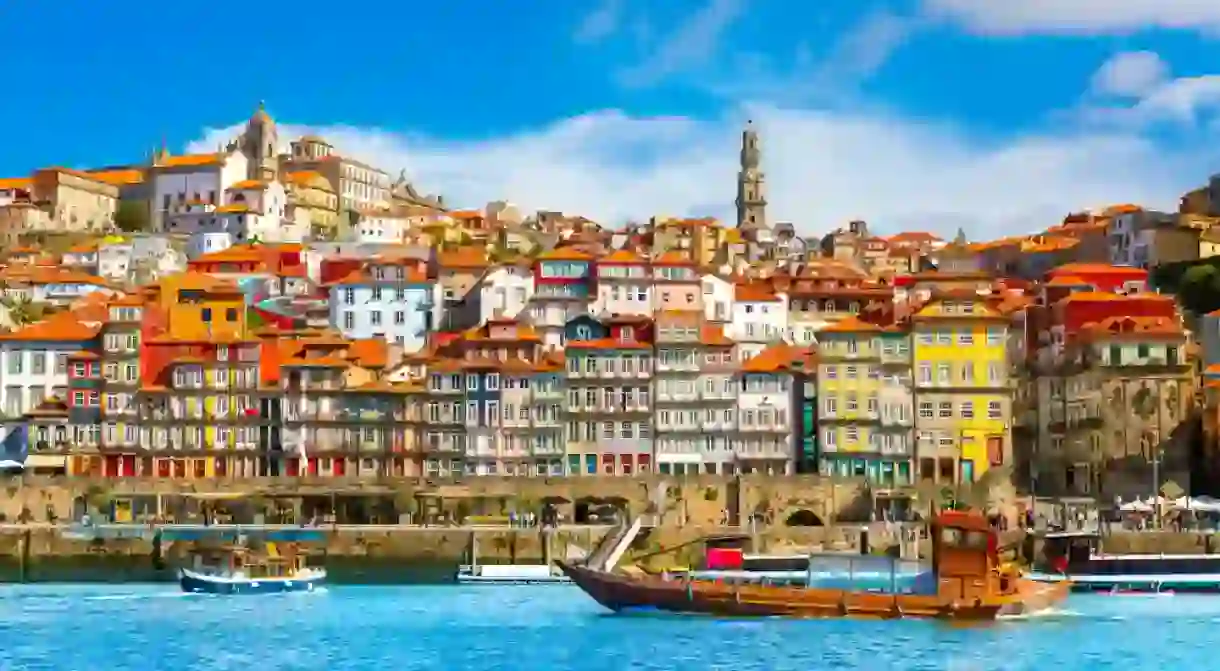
<point x="234" y="533"/>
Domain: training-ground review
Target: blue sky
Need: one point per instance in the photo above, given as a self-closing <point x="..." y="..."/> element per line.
<point x="919" y="114"/>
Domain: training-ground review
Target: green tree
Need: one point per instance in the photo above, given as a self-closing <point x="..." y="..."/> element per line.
<point x="22" y="311"/>
<point x="1199" y="290"/>
<point x="131" y="217"/>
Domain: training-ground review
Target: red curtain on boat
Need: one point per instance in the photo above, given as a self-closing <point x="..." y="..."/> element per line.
<point x="724" y="559"/>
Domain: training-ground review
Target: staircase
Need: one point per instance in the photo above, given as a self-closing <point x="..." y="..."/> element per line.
<point x="611" y="548"/>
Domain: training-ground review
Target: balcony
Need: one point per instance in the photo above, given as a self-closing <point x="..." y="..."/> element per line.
<point x="719" y="425"/>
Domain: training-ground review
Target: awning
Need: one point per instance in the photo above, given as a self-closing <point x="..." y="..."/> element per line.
<point x="215" y="496"/>
<point x="46" y="461"/>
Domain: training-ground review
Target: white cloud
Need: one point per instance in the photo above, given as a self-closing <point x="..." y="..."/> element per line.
<point x="600" y="23"/>
<point x="1076" y="17"/>
<point x="869" y="44"/>
<point x="823" y="168"/>
<point x="1185" y="99"/>
<point x="687" y="45"/>
<point x="1148" y="95"/>
<point x="1130" y="74"/>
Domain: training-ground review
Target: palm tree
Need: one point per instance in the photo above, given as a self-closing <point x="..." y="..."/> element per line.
<point x="1172" y="402"/>
<point x="21" y="310"/>
<point x="1144" y="405"/>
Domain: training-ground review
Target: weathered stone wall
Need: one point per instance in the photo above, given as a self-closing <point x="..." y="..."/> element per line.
<point x="699" y="500"/>
<point x="1169" y="542"/>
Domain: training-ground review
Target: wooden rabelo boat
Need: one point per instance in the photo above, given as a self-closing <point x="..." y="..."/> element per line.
<point x="967" y="583"/>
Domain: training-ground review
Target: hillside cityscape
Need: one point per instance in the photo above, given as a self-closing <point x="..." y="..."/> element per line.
<point x="248" y="313"/>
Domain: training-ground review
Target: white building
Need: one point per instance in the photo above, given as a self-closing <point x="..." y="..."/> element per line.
<point x="82" y="257"/>
<point x="181" y="183"/>
<point x="251" y="210"/>
<point x="34" y="361"/>
<point x="719" y="295"/>
<point x="504" y="292"/>
<point x="765" y="441"/>
<point x="624" y="286"/>
<point x="760" y="318"/>
<point x="385" y="226"/>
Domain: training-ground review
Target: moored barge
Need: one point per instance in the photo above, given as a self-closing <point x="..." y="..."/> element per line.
<point x="966" y="582"/>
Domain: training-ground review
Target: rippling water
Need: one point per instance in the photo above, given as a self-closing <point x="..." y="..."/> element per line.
<point x="155" y="628"/>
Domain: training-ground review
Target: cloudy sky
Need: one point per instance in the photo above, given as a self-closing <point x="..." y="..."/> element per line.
<point x="992" y="115"/>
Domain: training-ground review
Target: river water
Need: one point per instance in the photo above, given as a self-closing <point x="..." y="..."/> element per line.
<point x="451" y="628"/>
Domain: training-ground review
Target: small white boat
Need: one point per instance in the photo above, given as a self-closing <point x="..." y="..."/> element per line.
<point x="511" y="574"/>
<point x="236" y="570"/>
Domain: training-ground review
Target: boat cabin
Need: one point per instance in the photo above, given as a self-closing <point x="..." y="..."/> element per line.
<point x="272" y="562"/>
<point x="966" y="557"/>
<point x="1079" y="553"/>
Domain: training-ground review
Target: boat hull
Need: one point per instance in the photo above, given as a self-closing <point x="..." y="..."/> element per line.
<point x="624" y="594"/>
<point x="201" y="583"/>
<point x="485" y="580"/>
<point x="1137" y="584"/>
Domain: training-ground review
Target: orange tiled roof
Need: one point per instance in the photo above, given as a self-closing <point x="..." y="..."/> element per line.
<point x="623" y="256"/>
<point x="84" y="248"/>
<point x="565" y="254"/>
<point x="851" y="324"/>
<point x="15" y="183"/>
<point x="1123" y="327"/>
<point x="463" y="257"/>
<point x="1067" y="281"/>
<point x="233" y="208"/>
<point x="60" y="327"/>
<point x="754" y="292"/>
<point x="915" y="237"/>
<point x="673" y="258"/>
<point x="1086" y="268"/>
<point x="189" y="160"/>
<point x="250" y="185"/>
<point x="369" y="352"/>
<point x="1103" y="296"/>
<point x="774" y="359"/>
<point x="119" y="177"/>
<point x="247" y="253"/>
<point x="307" y="178"/>
<point x="607" y="343"/>
<point x="483" y="331"/>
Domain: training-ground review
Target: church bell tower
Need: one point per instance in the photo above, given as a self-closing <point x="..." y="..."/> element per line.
<point x="751" y="198"/>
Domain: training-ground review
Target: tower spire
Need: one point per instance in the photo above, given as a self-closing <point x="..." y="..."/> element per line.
<point x="751" y="195"/>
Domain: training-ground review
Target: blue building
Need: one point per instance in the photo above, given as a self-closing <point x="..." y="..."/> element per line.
<point x="482" y="398"/>
<point x="389" y="299"/>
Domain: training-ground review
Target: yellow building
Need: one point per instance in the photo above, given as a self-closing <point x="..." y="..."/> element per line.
<point x="310" y="191"/>
<point x="963" y="397"/>
<point x="849" y="392"/>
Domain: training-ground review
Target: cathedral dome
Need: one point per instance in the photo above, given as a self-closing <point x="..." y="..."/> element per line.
<point x="260" y="116"/>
